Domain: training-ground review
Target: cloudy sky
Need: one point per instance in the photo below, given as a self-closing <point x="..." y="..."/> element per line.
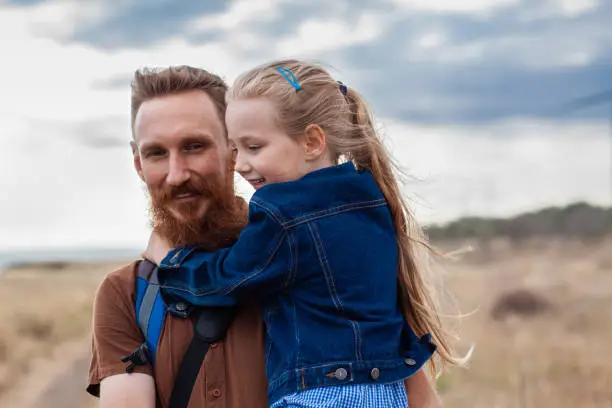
<point x="470" y="96"/>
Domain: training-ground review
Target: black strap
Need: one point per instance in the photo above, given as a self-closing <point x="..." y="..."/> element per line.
<point x="209" y="326"/>
<point x="188" y="372"/>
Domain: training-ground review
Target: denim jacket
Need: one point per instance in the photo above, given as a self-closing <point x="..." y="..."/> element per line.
<point x="321" y="254"/>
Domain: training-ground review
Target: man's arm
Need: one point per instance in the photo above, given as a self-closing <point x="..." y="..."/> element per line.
<point x="116" y="334"/>
<point x="421" y="393"/>
<point x="127" y="391"/>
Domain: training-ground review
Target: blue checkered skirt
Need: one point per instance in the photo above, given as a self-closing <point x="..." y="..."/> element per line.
<point x="344" y="396"/>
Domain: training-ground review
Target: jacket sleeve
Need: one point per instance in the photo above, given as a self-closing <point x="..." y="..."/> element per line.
<point x="258" y="263"/>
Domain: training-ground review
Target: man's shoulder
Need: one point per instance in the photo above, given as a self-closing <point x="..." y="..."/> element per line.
<point x="119" y="282"/>
<point x="115" y="298"/>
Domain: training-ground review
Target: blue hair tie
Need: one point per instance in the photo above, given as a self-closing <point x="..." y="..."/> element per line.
<point x="290" y="77"/>
<point x="343" y="88"/>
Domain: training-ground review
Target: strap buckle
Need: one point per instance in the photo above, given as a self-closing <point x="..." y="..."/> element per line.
<point x="138" y="357"/>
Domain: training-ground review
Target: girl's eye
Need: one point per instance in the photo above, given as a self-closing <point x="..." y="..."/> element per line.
<point x="254" y="148"/>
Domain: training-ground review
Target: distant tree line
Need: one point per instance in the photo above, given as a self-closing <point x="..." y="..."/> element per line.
<point x="578" y="220"/>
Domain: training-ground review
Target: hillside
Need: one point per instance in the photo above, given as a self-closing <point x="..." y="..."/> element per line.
<point x="579" y="220"/>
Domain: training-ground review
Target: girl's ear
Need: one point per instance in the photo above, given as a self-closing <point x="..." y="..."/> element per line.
<point x="315" y="142"/>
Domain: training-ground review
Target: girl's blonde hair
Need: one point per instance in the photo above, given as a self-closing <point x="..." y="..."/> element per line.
<point x="348" y="125"/>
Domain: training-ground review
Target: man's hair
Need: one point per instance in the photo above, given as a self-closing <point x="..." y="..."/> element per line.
<point x="149" y="83"/>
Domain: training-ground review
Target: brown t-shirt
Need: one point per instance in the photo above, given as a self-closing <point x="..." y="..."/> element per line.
<point x="233" y="372"/>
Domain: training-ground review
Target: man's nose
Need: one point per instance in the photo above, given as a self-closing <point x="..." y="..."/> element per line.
<point x="178" y="171"/>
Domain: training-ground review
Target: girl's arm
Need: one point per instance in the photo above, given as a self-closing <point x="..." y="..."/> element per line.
<point x="259" y="262"/>
<point x="421" y="393"/>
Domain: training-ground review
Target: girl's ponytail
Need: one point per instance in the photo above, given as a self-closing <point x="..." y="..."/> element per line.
<point x="417" y="294"/>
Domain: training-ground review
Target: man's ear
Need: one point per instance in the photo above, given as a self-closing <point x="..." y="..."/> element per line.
<point x="137" y="162"/>
<point x="315" y="142"/>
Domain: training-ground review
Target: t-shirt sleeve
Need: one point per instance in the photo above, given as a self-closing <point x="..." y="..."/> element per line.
<point x="115" y="332"/>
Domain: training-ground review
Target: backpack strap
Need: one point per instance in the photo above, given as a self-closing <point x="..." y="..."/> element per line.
<point x="150" y="307"/>
<point x="150" y="315"/>
<point x="209" y="326"/>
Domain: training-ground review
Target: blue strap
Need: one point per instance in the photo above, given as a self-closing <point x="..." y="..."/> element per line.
<point x="146" y="307"/>
<point x="150" y="307"/>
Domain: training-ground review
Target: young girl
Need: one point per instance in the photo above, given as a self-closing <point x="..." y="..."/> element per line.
<point x="331" y="248"/>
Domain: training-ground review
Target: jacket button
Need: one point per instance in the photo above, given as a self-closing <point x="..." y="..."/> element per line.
<point x="410" y="362"/>
<point x="341" y="374"/>
<point x="375" y="373"/>
<point x="181" y="306"/>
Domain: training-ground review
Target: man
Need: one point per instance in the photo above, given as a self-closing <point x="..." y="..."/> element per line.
<point x="182" y="155"/>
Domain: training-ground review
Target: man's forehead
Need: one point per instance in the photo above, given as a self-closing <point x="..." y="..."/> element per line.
<point x="178" y="115"/>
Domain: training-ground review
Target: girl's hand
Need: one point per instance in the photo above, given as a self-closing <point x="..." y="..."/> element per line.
<point x="157" y="248"/>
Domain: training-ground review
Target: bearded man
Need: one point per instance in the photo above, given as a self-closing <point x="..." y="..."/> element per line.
<point x="182" y="155"/>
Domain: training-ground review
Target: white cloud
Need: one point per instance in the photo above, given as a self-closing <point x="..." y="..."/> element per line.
<point x="58" y="192"/>
<point x="502" y="168"/>
<point x="317" y="35"/>
<point x="454" y="6"/>
<point x="575" y="8"/>
<point x="549" y="48"/>
<point x="562" y="40"/>
<point x="559" y="8"/>
<point x="238" y="14"/>
<point x="429" y="40"/>
<point x="56" y="81"/>
<point x="52" y="18"/>
<point x="60" y="19"/>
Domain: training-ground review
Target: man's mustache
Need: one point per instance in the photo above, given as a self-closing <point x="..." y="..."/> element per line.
<point x="195" y="187"/>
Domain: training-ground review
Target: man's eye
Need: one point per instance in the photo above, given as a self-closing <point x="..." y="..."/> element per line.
<point x="194" y="146"/>
<point x="154" y="153"/>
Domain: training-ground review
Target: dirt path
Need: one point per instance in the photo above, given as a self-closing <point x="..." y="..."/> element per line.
<point x="55" y="382"/>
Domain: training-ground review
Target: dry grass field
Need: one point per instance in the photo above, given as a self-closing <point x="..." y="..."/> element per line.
<point x="540" y="324"/>
<point x="44" y="308"/>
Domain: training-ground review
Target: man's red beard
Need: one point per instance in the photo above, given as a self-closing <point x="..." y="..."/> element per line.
<point x="225" y="217"/>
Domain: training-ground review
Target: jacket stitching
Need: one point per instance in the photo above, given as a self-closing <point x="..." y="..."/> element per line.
<point x="298" y="355"/>
<point x="331" y="286"/>
<point x="292" y="275"/>
<point x="341" y="206"/>
<point x="332" y="211"/>
<point x="268" y="208"/>
<point x="357" y="335"/>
